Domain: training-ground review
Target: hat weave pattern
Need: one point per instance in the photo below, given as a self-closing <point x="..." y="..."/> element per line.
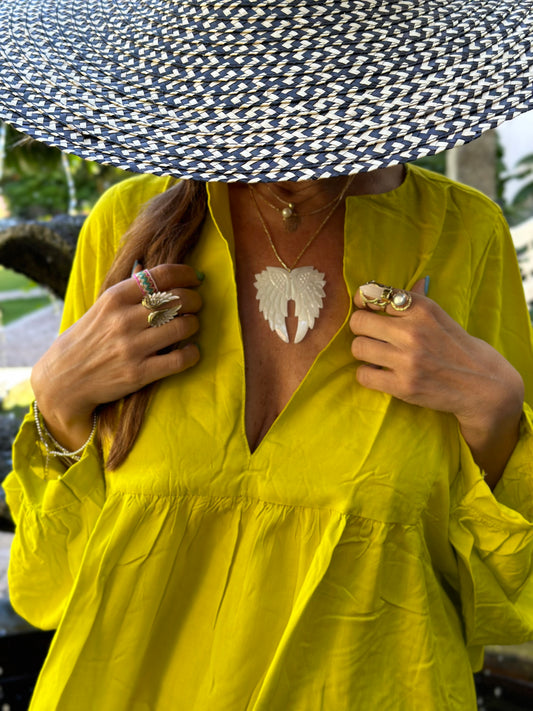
<point x="267" y="90"/>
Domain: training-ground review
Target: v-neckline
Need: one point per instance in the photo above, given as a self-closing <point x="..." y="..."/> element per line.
<point x="219" y="208"/>
<point x="255" y="452"/>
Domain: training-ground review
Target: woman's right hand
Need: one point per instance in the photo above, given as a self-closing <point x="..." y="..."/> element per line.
<point x="112" y="351"/>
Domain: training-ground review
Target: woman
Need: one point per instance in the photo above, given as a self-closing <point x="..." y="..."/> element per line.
<point x="255" y="477"/>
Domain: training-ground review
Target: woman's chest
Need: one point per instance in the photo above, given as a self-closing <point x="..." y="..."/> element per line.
<point x="275" y="368"/>
<point x="287" y="316"/>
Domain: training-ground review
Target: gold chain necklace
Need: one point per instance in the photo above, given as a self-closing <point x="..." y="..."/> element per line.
<point x="304" y="285"/>
<point x="290" y="213"/>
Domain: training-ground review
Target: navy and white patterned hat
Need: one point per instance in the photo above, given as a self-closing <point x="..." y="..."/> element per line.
<point x="262" y="89"/>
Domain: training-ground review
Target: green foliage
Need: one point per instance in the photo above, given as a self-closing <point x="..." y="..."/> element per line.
<point x="34" y="182"/>
<point x="436" y="163"/>
<point x="521" y="206"/>
<point x="36" y="195"/>
<point x="15" y="308"/>
<point x="524" y="169"/>
<point x="500" y="172"/>
<point x="10" y="280"/>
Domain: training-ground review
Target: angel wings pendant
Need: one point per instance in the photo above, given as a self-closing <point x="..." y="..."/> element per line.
<point x="276" y="287"/>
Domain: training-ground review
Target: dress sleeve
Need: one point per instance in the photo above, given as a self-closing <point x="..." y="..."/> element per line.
<point x="55" y="509"/>
<point x="499" y="315"/>
<point x="54" y="512"/>
<point x="492" y="531"/>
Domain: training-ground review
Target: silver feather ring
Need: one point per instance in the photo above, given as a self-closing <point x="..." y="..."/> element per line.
<point x="160" y="316"/>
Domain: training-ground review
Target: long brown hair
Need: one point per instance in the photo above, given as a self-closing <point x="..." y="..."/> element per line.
<point x="166" y="231"/>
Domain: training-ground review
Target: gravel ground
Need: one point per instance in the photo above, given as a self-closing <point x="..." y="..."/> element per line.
<point x="23" y="342"/>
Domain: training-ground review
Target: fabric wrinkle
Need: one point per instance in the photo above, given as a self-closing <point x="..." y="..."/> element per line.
<point x="361" y="540"/>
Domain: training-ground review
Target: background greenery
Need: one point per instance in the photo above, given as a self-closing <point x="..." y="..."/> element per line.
<point x="12" y="309"/>
<point x="37" y="181"/>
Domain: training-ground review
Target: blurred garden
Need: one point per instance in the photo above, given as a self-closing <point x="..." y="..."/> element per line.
<point x="40" y="187"/>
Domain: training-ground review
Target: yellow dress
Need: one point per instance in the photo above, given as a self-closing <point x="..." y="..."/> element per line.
<point x="355" y="560"/>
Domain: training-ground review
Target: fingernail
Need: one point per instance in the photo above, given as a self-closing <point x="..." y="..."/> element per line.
<point x="199" y="275"/>
<point x="426" y="285"/>
<point x="136" y="263"/>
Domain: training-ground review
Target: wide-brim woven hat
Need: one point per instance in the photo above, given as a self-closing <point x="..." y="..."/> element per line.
<point x="262" y="89"/>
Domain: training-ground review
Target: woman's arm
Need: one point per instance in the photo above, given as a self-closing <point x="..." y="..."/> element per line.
<point x="112" y="351"/>
<point x="427" y="359"/>
<point x="478" y="372"/>
<point x="56" y="508"/>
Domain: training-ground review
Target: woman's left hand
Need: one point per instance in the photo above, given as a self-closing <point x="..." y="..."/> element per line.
<point x="423" y="357"/>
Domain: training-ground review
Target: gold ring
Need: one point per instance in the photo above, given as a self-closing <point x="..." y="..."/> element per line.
<point x="401" y="300"/>
<point x="382" y="296"/>
<point x="157" y="315"/>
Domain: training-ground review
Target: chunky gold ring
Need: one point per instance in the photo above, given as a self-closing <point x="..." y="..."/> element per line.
<point x="401" y="300"/>
<point x="381" y="296"/>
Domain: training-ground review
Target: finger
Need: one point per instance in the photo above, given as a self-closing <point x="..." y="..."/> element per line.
<point x="374" y="378"/>
<point x="372" y="325"/>
<point x="191" y="301"/>
<point x="424" y="324"/>
<point x="176" y="361"/>
<point x="421" y="286"/>
<point x="188" y="300"/>
<point x="172" y="276"/>
<point x="377" y="297"/>
<point x="374" y="352"/>
<point x="180" y="328"/>
<point x="166" y="278"/>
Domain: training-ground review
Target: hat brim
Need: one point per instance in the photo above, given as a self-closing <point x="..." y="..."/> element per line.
<point x="234" y="91"/>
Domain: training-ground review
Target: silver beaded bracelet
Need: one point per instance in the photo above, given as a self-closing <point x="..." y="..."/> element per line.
<point x="59" y="450"/>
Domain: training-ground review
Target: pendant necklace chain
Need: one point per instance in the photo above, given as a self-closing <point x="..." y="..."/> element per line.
<point x="335" y="203"/>
<point x="303" y="285"/>
<point x="290" y="214"/>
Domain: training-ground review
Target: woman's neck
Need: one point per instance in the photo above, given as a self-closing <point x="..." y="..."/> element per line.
<point x="316" y="192"/>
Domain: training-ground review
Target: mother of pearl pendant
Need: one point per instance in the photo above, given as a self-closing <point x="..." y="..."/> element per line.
<point x="277" y="286"/>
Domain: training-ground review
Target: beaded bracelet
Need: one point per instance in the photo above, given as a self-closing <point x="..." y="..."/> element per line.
<point x="60" y="451"/>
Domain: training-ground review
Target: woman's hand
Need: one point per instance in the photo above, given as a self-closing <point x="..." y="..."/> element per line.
<point x="422" y="356"/>
<point x="112" y="351"/>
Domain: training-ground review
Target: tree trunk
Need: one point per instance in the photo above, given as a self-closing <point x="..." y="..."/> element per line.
<point x="43" y="251"/>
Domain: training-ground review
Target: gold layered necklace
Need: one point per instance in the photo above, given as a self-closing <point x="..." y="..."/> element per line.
<point x="276" y="286"/>
<point x="291" y="214"/>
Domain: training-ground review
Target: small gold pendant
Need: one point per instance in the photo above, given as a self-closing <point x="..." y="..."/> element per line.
<point x="291" y="221"/>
